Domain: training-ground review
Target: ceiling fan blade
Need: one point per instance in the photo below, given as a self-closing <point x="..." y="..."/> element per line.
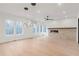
<point x="47" y="18"/>
<point x="50" y="19"/>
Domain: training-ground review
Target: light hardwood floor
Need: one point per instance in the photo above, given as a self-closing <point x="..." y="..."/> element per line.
<point x="56" y="44"/>
<point x="45" y="46"/>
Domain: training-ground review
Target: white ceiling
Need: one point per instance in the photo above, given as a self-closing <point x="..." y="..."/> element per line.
<point x="41" y="10"/>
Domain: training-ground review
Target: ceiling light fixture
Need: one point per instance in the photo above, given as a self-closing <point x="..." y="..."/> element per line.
<point x="25" y="8"/>
<point x="64" y="12"/>
<point x="33" y="4"/>
<point x="59" y="4"/>
<point x="38" y="11"/>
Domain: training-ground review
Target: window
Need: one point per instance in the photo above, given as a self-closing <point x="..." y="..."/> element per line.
<point x="12" y="28"/>
<point x="9" y="28"/>
<point x="18" y="27"/>
<point x="34" y="28"/>
<point x="44" y="28"/>
<point x="40" y="29"/>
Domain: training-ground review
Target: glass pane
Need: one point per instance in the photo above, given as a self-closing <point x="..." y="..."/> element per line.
<point x="18" y="28"/>
<point x="44" y="29"/>
<point x="9" y="29"/>
<point x="33" y="29"/>
<point x="40" y="28"/>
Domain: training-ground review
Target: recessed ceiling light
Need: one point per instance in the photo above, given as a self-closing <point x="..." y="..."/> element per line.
<point x="64" y="12"/>
<point x="38" y="11"/>
<point x="59" y="4"/>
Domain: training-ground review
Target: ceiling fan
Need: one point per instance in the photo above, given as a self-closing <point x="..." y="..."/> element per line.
<point x="47" y="18"/>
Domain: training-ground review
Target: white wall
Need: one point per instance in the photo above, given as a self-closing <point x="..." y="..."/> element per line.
<point x="62" y="23"/>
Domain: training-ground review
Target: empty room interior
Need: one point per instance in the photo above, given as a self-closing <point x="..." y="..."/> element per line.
<point x="39" y="29"/>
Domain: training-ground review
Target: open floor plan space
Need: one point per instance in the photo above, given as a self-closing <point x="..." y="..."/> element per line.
<point x="39" y="29"/>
